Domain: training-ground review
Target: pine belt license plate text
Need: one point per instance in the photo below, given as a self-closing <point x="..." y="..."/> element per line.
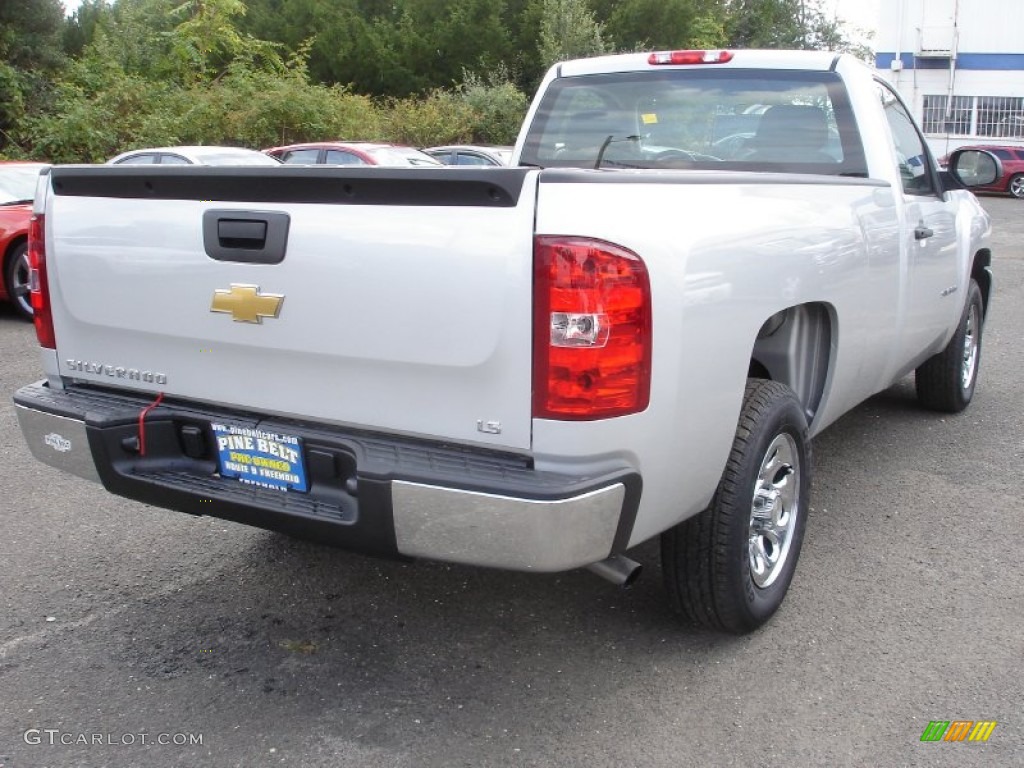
<point x="262" y="458"/>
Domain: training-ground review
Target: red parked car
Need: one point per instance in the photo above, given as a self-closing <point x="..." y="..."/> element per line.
<point x="17" y="188"/>
<point x="1012" y="180"/>
<point x="351" y="153"/>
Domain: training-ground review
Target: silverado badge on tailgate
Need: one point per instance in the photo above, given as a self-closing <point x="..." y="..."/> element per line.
<point x="260" y="458"/>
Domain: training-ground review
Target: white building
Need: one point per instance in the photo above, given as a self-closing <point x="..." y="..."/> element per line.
<point x="959" y="65"/>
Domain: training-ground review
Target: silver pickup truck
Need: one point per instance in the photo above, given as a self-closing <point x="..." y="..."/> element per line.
<point x="702" y="259"/>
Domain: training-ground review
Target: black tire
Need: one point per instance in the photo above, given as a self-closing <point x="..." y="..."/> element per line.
<point x="1016" y="186"/>
<point x="945" y="382"/>
<point x="16" y="280"/>
<point x="708" y="561"/>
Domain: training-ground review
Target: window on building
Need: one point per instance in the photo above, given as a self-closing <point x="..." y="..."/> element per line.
<point x="990" y="116"/>
<point x="1000" y="116"/>
<point x="958" y="119"/>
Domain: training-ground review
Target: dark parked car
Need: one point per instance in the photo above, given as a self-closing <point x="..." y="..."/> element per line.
<point x="1012" y="180"/>
<point x="471" y="155"/>
<point x="17" y="188"/>
<point x="351" y="153"/>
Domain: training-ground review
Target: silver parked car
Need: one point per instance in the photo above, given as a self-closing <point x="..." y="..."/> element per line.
<point x="192" y="156"/>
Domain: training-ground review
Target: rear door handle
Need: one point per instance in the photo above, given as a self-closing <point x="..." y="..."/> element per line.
<point x="921" y="232"/>
<point x="247" y="237"/>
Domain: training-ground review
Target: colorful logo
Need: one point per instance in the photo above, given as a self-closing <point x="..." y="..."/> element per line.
<point x="246" y="304"/>
<point x="958" y="730"/>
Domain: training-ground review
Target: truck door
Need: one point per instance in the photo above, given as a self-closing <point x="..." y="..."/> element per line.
<point x="929" y="236"/>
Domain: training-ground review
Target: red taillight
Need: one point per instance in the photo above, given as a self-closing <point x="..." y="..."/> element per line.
<point x="38" y="286"/>
<point x="591" y="330"/>
<point x="690" y="57"/>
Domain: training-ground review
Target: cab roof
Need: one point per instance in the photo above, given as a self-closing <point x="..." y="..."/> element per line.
<point x="820" y="61"/>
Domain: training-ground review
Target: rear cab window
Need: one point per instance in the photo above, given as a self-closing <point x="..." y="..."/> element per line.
<point x="780" y="121"/>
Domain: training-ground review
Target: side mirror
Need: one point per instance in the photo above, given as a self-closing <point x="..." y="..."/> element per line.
<point x="974" y="167"/>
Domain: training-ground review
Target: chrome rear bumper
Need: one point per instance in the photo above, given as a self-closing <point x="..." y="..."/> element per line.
<point x="392" y="497"/>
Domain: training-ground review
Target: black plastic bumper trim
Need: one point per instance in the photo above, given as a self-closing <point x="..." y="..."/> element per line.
<point x="350" y="471"/>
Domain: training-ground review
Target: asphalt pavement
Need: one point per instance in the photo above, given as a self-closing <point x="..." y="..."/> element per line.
<point x="133" y="636"/>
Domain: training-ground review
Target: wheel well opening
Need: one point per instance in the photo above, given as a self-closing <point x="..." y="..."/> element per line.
<point x="982" y="276"/>
<point x="13" y="246"/>
<point x="793" y="347"/>
<point x="757" y="370"/>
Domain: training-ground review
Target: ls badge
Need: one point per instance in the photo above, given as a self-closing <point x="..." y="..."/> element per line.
<point x="246" y="304"/>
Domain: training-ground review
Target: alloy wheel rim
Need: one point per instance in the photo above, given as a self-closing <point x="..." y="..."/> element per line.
<point x="774" y="510"/>
<point x="970" y="361"/>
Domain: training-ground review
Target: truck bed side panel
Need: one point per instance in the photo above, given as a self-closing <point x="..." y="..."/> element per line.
<point x="725" y="252"/>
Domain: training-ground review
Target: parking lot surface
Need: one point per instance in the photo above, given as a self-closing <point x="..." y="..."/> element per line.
<point x="132" y="636"/>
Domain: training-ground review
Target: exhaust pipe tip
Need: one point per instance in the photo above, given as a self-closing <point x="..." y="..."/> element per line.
<point x="618" y="569"/>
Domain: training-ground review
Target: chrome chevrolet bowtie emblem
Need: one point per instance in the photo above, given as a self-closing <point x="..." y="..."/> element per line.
<point x="246" y="304"/>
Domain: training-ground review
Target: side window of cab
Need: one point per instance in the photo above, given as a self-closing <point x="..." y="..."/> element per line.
<point x="911" y="153"/>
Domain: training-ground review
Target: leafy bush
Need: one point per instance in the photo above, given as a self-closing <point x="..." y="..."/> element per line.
<point x="100" y="110"/>
<point x="498" y="106"/>
<point x="260" y="109"/>
<point x="441" y="117"/>
<point x="89" y="124"/>
<point x="110" y="100"/>
<point x="479" y="111"/>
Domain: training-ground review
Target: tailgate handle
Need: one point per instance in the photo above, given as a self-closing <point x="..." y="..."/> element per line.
<point x="232" y="233"/>
<point x="248" y="237"/>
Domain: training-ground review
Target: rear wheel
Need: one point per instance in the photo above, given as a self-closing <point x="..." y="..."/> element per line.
<point x="16" y="280"/>
<point x="1016" y="186"/>
<point x="730" y="566"/>
<point x="945" y="382"/>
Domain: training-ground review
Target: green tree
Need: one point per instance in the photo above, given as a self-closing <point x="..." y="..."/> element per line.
<point x="30" y="33"/>
<point x="102" y="109"/>
<point x="80" y="28"/>
<point x="30" y="52"/>
<point x="136" y="35"/>
<point x="259" y="72"/>
<point x="393" y="48"/>
<point x="568" y="30"/>
<point x="467" y="36"/>
<point x="206" y="40"/>
<point x="768" y="24"/>
<point x="800" y="24"/>
<point x="659" y="24"/>
<point x="99" y="108"/>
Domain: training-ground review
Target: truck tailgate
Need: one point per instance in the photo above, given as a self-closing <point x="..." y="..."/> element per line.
<point x="405" y="294"/>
